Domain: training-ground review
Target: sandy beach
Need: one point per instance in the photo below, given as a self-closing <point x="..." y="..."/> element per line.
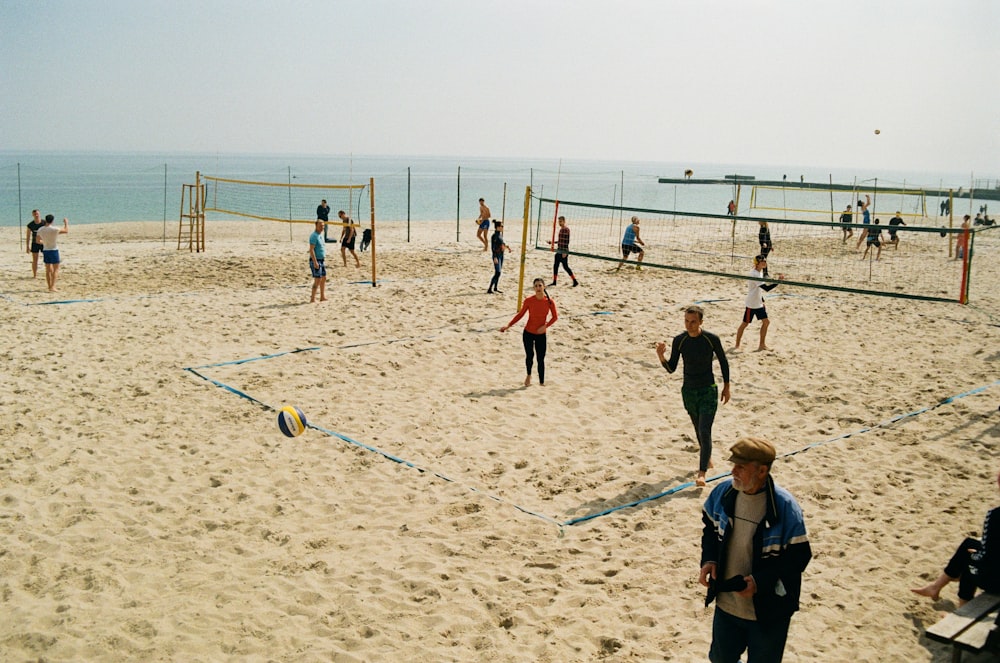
<point x="150" y="509"/>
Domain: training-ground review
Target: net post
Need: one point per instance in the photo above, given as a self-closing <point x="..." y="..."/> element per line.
<point x="524" y="245"/>
<point x="371" y="200"/>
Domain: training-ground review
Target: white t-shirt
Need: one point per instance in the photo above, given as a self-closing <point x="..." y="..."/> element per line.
<point x="755" y="296"/>
<point x="48" y="235"/>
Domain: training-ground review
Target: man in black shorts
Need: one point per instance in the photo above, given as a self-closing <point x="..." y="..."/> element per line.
<point x="347" y="237"/>
<point x="700" y="392"/>
<point x="34" y="247"/>
<point x="846" y="219"/>
<point x="895" y="221"/>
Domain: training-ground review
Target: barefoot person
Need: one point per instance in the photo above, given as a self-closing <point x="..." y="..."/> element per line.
<point x="317" y="265"/>
<point x="539" y="307"/>
<point x="629" y="242"/>
<point x="755" y="302"/>
<point x="975" y="564"/>
<point x="48" y="234"/>
<point x="866" y="219"/>
<point x="499" y="246"/>
<point x="347" y="237"/>
<point x="699" y="390"/>
<point x="846" y="219"/>
<point x="34" y="247"/>
<point x="562" y="253"/>
<point x="484" y="224"/>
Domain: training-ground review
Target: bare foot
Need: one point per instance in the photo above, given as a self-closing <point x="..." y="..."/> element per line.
<point x="700" y="481"/>
<point x="322" y="299"/>
<point x="930" y="591"/>
<point x="762" y="348"/>
<point x="527" y="381"/>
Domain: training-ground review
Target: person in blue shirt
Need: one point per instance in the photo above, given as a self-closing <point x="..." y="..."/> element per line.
<point x="629" y="242"/>
<point x="317" y="257"/>
<point x="866" y="219"/>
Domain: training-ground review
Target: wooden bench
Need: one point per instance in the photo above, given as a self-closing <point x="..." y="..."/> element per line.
<point x="969" y="627"/>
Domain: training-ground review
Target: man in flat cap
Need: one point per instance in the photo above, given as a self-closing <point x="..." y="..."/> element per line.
<point x="754" y="549"/>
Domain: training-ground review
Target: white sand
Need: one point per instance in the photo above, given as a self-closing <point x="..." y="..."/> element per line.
<point x="148" y="514"/>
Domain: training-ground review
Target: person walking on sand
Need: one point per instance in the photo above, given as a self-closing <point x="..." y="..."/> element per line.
<point x="866" y="219"/>
<point x="975" y="564"/>
<point x="562" y="253"/>
<point x="499" y="246"/>
<point x="484" y="224"/>
<point x="846" y="219"/>
<point x="347" y="237"/>
<point x="542" y="314"/>
<point x="33" y="246"/>
<point x="629" y="241"/>
<point x="48" y="234"/>
<point x="699" y="390"/>
<point x="755" y="302"/>
<point x="317" y="264"/>
<point x="731" y="208"/>
<point x="754" y="549"/>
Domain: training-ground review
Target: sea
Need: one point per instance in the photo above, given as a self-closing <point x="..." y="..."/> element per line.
<point x="103" y="187"/>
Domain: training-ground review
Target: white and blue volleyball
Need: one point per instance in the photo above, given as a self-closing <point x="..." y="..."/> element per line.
<point x="291" y="421"/>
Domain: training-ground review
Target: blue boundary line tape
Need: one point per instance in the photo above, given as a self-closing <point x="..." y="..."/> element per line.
<point x="242" y="394"/>
<point x="883" y="424"/>
<point x="573" y="521"/>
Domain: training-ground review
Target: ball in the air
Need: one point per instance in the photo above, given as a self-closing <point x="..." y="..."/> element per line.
<point x="877" y="132"/>
<point x="291" y="421"/>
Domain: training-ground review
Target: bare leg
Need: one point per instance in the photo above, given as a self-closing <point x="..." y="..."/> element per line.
<point x="739" y="333"/>
<point x="933" y="590"/>
<point x="700" y="481"/>
<point x="763" y="333"/>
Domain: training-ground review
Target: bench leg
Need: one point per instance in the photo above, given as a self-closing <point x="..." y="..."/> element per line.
<point x="956" y="654"/>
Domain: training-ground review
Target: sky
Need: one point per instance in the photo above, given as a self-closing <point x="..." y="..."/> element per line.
<point x="796" y="82"/>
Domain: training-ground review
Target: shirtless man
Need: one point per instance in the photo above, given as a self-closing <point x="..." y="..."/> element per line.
<point x="484" y="225"/>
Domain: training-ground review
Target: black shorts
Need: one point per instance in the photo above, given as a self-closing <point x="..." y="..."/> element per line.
<point x="348" y="244"/>
<point x="630" y="248"/>
<point x="36" y="247"/>
<point x="750" y="313"/>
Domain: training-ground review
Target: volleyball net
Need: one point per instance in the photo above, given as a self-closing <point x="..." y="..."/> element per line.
<point x="923" y="264"/>
<point x="293" y="202"/>
<point x="819" y="205"/>
<point x="288" y="202"/>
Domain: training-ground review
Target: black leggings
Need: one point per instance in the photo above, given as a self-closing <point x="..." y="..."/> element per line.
<point x="562" y="259"/>
<point x="534" y="344"/>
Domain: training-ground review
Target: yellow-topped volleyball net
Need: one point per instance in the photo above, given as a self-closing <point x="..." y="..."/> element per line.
<point x="297" y="202"/>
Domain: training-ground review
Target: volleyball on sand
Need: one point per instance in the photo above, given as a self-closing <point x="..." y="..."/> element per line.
<point x="291" y="421"/>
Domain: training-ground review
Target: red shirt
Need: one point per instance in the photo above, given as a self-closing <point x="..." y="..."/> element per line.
<point x="537" y="310"/>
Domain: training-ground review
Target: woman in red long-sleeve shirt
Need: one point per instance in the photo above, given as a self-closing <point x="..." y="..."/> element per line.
<point x="538" y="307"/>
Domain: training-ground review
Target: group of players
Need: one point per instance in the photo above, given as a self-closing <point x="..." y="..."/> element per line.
<point x="42" y="238"/>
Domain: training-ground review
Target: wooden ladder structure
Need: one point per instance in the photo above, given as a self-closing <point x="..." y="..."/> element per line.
<point x="191" y="233"/>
